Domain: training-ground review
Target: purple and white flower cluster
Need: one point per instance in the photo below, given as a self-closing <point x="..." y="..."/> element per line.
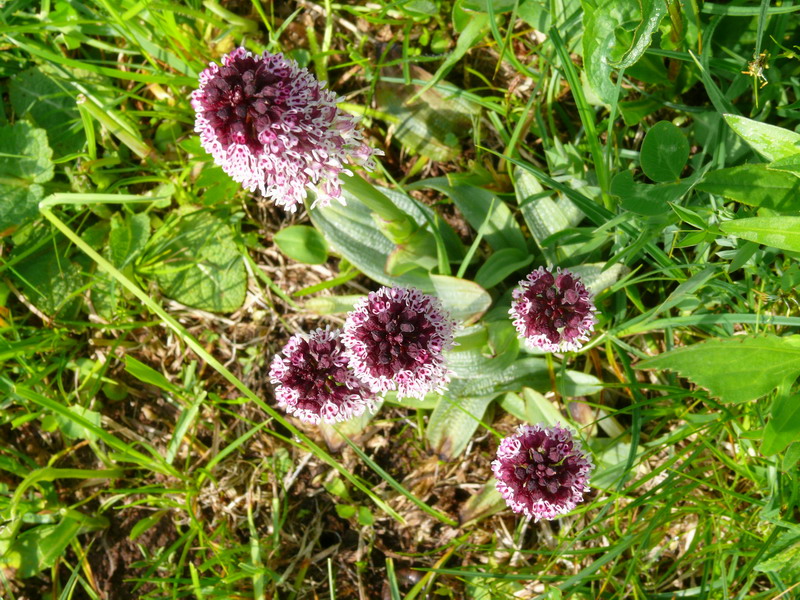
<point x="542" y="472"/>
<point x="553" y="314"/>
<point x="396" y="337"/>
<point x="274" y="128"/>
<point x="313" y="382"/>
<point x="392" y="340"/>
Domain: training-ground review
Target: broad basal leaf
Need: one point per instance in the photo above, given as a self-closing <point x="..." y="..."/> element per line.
<point x="500" y="265"/>
<point x="127" y="238"/>
<point x="49" y="105"/>
<point x="597" y="278"/>
<point x="428" y="121"/>
<point x="607" y="43"/>
<point x="303" y="244"/>
<point x="543" y="215"/>
<point x="466" y="301"/>
<point x="736" y="369"/>
<point x="352" y="232"/>
<point x="49" y="279"/>
<point x="453" y="422"/>
<point x="500" y="228"/>
<point x="25" y="163"/>
<point x="645" y="198"/>
<point x="196" y="262"/>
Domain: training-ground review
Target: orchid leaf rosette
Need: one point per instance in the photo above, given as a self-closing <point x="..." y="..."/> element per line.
<point x="274" y="128"/>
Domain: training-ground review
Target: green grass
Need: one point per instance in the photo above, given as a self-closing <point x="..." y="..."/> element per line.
<point x="141" y="455"/>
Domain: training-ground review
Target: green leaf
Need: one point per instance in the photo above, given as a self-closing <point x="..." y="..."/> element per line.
<point x="652" y="11"/>
<point x="539" y="409"/>
<point x="689" y="216"/>
<point x="146" y="523"/>
<point x="345" y="511"/>
<point x="127" y="238"/>
<point x="501" y="231"/>
<point x="644" y="198"/>
<point x="303" y="244"/>
<point x="464" y="300"/>
<point x="544" y="216"/>
<point x="25" y="162"/>
<point x="351" y="231"/>
<point x="500" y="265"/>
<point x="532" y="407"/>
<point x="786" y="557"/>
<point x="185" y="421"/>
<point x="453" y="422"/>
<point x="478" y="374"/>
<point x="418" y="251"/>
<point x="216" y="183"/>
<point x="597" y="277"/>
<point x="332" y="305"/>
<point x="612" y="461"/>
<point x="49" y="279"/>
<point x="736" y="369"/>
<point x="771" y="142"/>
<point x="483" y="504"/>
<point x="426" y="121"/>
<point x="147" y="374"/>
<point x="778" y="232"/>
<point x="784" y="426"/>
<point x="607" y="43"/>
<point x="40" y="97"/>
<point x="790" y="163"/>
<point x="38" y="548"/>
<point x="498" y="6"/>
<point x="664" y="152"/>
<point x="73" y="429"/>
<point x="365" y="516"/>
<point x="791" y="457"/>
<point x="755" y="185"/>
<point x="196" y="262"/>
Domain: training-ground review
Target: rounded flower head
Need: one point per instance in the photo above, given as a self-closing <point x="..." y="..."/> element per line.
<point x="272" y="127"/>
<point x="395" y="337"/>
<point x="313" y="382"/>
<point x="541" y="471"/>
<point x="554" y="314"/>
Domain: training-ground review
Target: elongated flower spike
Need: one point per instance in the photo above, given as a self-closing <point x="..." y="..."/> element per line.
<point x="313" y="381"/>
<point x="274" y="128"/>
<point x="553" y="314"/>
<point x="395" y="338"/>
<point x="542" y="472"/>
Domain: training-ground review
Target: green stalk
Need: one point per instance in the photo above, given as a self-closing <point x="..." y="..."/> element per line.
<point x="397" y="225"/>
<point x="586" y="113"/>
<point x="397" y="486"/>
